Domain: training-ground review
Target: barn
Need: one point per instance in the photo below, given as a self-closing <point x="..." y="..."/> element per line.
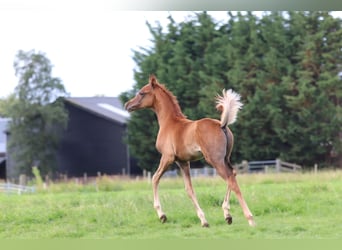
<point x="93" y="141"/>
<point x="3" y="128"/>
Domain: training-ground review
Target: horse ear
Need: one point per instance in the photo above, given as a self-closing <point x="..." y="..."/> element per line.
<point x="153" y="80"/>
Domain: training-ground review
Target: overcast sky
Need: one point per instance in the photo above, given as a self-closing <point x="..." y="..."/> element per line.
<point x="90" y="47"/>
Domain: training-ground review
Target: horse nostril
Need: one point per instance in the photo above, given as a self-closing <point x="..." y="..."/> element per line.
<point x="129" y="107"/>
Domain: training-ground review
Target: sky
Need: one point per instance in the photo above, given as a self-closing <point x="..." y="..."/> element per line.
<point x="90" y="45"/>
<point x="90" y="48"/>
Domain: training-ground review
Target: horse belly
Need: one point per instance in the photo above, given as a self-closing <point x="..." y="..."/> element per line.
<point x="190" y="153"/>
<point x="185" y="145"/>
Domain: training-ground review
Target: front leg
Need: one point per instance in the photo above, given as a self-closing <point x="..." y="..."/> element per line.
<point x="163" y="166"/>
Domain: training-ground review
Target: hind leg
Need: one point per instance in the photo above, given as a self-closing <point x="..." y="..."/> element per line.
<point x="185" y="168"/>
<point x="225" y="170"/>
<point x="232" y="183"/>
<point x="226" y="201"/>
<point x="226" y="207"/>
<point x="224" y="173"/>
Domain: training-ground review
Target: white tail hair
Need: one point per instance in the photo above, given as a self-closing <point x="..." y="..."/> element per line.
<point x="229" y="104"/>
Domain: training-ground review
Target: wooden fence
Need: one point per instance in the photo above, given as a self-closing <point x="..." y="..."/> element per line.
<point x="269" y="166"/>
<point x="194" y="172"/>
<point x="276" y="166"/>
<point x="11" y="188"/>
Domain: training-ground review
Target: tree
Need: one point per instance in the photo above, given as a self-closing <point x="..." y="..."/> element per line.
<point x="177" y="59"/>
<point x="260" y="62"/>
<point x="5" y="103"/>
<point x="284" y="65"/>
<point x="314" y="102"/>
<point x="36" y="113"/>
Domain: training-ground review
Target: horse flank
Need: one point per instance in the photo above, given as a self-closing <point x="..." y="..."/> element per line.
<point x="229" y="104"/>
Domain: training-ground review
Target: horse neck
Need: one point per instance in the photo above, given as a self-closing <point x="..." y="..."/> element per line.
<point x="165" y="109"/>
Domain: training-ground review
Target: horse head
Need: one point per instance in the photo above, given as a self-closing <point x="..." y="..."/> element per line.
<point x="144" y="98"/>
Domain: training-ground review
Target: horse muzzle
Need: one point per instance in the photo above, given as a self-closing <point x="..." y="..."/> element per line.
<point x="129" y="106"/>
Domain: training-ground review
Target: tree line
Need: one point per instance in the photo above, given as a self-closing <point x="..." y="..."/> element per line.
<point x="285" y="65"/>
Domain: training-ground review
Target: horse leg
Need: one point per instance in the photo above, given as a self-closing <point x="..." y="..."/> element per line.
<point x="226" y="207"/>
<point x="226" y="201"/>
<point x="229" y="175"/>
<point x="226" y="171"/>
<point x="185" y="168"/>
<point x="232" y="183"/>
<point x="163" y="165"/>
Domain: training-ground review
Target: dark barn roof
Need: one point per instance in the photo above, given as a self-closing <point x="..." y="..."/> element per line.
<point x="107" y="107"/>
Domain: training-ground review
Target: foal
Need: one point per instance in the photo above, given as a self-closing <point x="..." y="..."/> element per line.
<point x="181" y="140"/>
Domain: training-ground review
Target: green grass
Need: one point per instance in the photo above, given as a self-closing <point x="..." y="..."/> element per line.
<point x="285" y="206"/>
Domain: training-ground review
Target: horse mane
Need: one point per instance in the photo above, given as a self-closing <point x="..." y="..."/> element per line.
<point x="173" y="99"/>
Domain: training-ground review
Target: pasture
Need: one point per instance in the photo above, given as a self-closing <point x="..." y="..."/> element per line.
<point x="285" y="206"/>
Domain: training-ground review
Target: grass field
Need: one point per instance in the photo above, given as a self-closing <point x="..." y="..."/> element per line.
<point x="285" y="206"/>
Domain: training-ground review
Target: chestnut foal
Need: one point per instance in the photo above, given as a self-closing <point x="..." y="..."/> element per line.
<point x="182" y="140"/>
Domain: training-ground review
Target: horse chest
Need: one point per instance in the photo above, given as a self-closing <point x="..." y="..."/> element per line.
<point x="163" y="144"/>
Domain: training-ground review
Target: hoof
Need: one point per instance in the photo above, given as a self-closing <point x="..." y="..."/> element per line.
<point x="251" y="223"/>
<point x="229" y="219"/>
<point x="206" y="224"/>
<point x="163" y="218"/>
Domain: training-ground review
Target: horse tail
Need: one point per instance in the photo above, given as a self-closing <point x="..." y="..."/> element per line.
<point x="229" y="104"/>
